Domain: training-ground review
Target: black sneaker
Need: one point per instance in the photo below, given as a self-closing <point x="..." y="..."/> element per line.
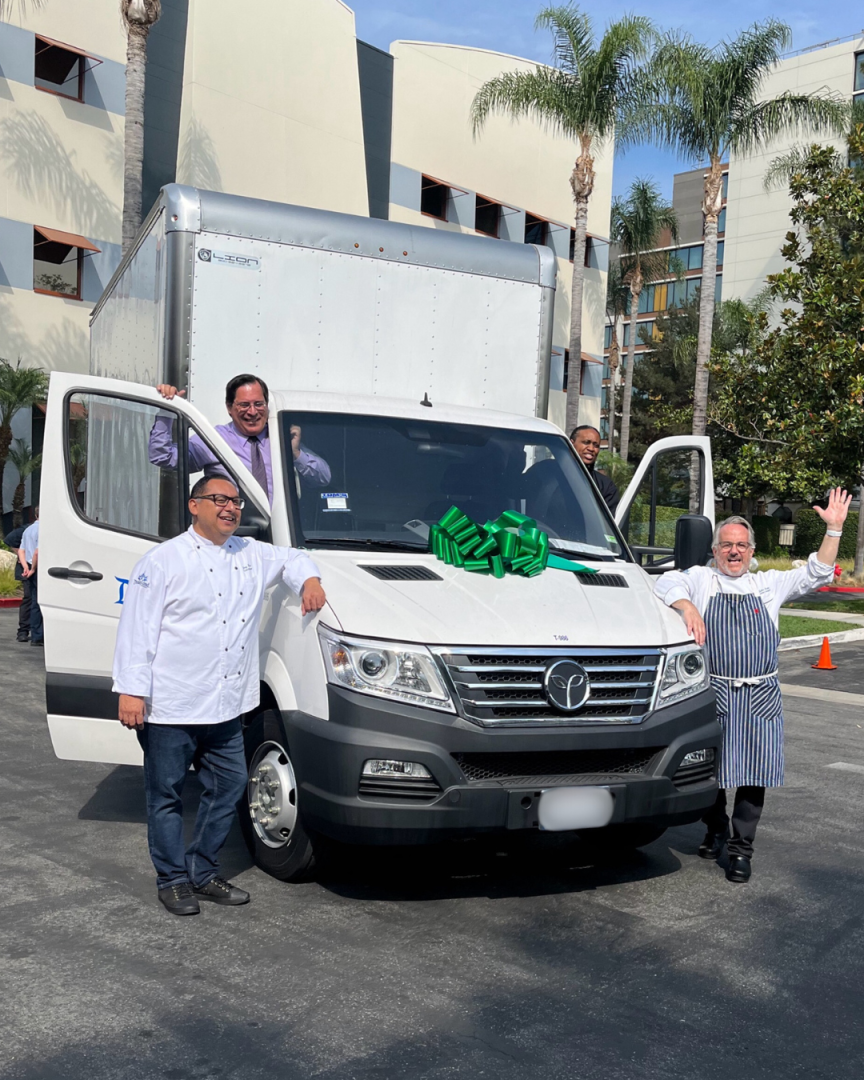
<point x="23" y="637"/>
<point x="179" y="899"/>
<point x="40" y="643"/>
<point x="220" y="891"/>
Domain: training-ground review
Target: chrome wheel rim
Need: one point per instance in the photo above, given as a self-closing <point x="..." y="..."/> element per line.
<point x="272" y="795"/>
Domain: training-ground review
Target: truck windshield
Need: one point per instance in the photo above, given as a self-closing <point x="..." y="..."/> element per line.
<point x="392" y="478"/>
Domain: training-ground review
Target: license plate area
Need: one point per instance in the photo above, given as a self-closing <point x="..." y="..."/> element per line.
<point x="566" y="808"/>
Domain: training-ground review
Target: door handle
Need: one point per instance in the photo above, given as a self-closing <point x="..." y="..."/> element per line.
<point x="68" y="572"/>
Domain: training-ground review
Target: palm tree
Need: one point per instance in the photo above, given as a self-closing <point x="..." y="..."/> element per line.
<point x="139" y="17"/>
<point x="781" y="170"/>
<point x="583" y="97"/>
<point x="709" y="105"/>
<point x="20" y="388"/>
<point x="637" y="224"/>
<point x="21" y="456"/>
<point x="617" y="296"/>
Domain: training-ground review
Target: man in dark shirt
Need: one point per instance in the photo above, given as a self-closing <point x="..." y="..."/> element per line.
<point x="13" y="542"/>
<point x="586" y="443"/>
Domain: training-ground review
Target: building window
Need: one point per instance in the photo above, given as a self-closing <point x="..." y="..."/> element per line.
<point x="720" y="249"/>
<point x="725" y="192"/>
<point x="718" y="288"/>
<point x="59" y="69"/>
<point x="566" y="369"/>
<point x="607" y="337"/>
<point x="589" y="248"/>
<point x="859" y="73"/>
<point x="487" y="216"/>
<point x="536" y="230"/>
<point x="434" y="197"/>
<point x="721" y="221"/>
<point x="57" y="262"/>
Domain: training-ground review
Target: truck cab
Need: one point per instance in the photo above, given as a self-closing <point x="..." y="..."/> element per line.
<point x="428" y="699"/>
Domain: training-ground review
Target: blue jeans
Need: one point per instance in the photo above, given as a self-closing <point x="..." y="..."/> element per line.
<point x="168" y="752"/>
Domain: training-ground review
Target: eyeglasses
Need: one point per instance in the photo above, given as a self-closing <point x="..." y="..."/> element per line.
<point x="222" y="500"/>
<point x="727" y="546"/>
<point x="245" y="406"/>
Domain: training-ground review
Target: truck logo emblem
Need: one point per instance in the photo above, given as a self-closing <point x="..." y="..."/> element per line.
<point x="566" y="685"/>
<point x="205" y="254"/>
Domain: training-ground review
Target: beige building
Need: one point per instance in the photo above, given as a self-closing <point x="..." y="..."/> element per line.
<point x="284" y="104"/>
<point x="759" y="219"/>
<point x="511" y="182"/>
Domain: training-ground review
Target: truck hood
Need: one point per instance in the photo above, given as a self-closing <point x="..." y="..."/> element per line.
<point x="553" y="608"/>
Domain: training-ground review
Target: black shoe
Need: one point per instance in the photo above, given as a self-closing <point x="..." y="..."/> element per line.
<point x="220" y="891"/>
<point x="41" y="644"/>
<point x="179" y="899"/>
<point x="712" y="845"/>
<point x="23" y="637"/>
<point x="738" y="869"/>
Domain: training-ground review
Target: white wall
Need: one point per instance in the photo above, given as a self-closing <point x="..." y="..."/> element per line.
<point x="757" y="221"/>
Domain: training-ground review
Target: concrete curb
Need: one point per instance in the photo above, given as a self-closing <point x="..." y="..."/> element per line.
<point x="809" y="641"/>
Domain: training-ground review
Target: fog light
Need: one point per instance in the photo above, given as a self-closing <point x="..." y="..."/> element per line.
<point x="381" y="767"/>
<point x="697" y="757"/>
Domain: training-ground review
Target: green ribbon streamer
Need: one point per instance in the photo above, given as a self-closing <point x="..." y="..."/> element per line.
<point x="510" y="545"/>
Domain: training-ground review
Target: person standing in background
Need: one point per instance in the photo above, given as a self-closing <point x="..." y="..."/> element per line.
<point x="13" y="542"/>
<point x="28" y="559"/>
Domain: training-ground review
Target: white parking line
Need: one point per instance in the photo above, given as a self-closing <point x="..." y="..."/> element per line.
<point x="840" y="697"/>
<point x="846" y="766"/>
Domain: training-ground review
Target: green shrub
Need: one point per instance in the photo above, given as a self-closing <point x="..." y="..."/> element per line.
<point x="8" y="585"/>
<point x="666" y="517"/>
<point x="811" y="532"/>
<point x="767" y="531"/>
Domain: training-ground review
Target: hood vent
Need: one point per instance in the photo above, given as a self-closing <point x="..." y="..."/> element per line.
<point x="401" y="573"/>
<point x="611" y="581"/>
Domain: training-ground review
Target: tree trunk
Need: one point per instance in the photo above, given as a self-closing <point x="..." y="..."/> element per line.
<point x="582" y="184"/>
<point x="858" y="568"/>
<point x="133" y="166"/>
<point x="610" y="397"/>
<point x="18" y="505"/>
<point x="5" y="443"/>
<point x="711" y="205"/>
<point x="635" y="293"/>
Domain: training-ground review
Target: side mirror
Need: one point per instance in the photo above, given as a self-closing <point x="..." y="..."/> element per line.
<point x="693" y="534"/>
<point x="258" y="528"/>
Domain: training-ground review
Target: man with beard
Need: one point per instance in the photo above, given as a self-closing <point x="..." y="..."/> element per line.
<point x="735" y="614"/>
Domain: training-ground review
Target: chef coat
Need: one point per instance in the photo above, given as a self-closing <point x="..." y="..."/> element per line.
<point x="188" y="634"/>
<point x="773" y="587"/>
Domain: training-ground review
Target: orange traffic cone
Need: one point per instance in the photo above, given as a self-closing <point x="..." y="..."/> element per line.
<point x="825" y="658"/>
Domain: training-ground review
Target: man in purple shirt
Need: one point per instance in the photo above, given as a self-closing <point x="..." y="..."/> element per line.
<point x="247" y="400"/>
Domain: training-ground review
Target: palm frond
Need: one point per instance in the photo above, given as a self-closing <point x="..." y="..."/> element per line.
<point x="572" y="36"/>
<point x="22" y="457"/>
<point x="545" y="95"/>
<point x="638" y="220"/>
<point x="755" y="126"/>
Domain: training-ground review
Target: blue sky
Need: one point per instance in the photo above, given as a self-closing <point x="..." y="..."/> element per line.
<point x="508" y="26"/>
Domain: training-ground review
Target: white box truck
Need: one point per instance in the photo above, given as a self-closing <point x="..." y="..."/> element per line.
<point x="425" y="700"/>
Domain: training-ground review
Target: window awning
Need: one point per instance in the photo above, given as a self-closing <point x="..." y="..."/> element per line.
<point x="50" y="42"/>
<point x="68" y="239"/>
<point x="587" y="358"/>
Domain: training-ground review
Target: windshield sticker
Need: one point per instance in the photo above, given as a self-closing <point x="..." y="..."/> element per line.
<point x="611" y="539"/>
<point x="335" y="502"/>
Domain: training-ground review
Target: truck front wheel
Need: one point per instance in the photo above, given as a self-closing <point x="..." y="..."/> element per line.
<point x="269" y="813"/>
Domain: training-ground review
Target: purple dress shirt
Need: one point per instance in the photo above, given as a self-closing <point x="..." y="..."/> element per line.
<point x="162" y="451"/>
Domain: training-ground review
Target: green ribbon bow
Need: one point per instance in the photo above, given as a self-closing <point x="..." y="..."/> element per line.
<point x="510" y="545"/>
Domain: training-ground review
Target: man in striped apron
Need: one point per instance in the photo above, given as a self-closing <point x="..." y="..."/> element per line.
<point x="735" y="614"/>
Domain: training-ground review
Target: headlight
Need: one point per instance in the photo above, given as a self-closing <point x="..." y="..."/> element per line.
<point x="685" y="674"/>
<point x="386" y="669"/>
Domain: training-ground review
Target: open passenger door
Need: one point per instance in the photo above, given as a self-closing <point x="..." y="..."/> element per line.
<point x="109" y="495"/>
<point x="675" y="477"/>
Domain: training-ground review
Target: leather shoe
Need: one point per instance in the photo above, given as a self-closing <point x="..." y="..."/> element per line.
<point x="179" y="899"/>
<point x="220" y="891"/>
<point x="712" y="845"/>
<point x="738" y="869"/>
<point x="23" y="637"/>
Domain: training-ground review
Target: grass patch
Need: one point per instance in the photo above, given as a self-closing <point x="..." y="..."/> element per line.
<point x="784" y="562"/>
<point x="793" y="626"/>
<point x="8" y="585"/>
<point x="829" y="602"/>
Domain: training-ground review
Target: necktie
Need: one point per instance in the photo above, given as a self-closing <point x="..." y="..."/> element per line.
<point x="258" y="470"/>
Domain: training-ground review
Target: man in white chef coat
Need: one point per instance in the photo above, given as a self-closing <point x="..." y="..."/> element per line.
<point x="186" y="669"/>
<point x="735" y="614"/>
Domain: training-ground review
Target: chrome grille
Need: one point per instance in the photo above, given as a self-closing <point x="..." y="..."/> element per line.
<point x="505" y="686"/>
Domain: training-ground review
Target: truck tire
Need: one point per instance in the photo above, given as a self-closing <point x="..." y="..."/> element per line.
<point x="621" y="837"/>
<point x="269" y="813"/>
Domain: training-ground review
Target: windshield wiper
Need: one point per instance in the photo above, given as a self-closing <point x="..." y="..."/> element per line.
<point x="582" y="556"/>
<point x="354" y="541"/>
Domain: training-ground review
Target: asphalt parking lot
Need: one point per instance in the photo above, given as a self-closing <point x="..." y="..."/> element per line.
<point x="472" y="961"/>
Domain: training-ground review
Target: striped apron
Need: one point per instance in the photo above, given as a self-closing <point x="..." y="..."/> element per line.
<point x="742" y="645"/>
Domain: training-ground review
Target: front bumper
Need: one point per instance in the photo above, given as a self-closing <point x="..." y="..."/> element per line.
<point x="328" y="757"/>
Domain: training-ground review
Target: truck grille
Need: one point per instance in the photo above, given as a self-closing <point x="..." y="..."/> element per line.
<point x="550" y="768"/>
<point x="504" y="687"/>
